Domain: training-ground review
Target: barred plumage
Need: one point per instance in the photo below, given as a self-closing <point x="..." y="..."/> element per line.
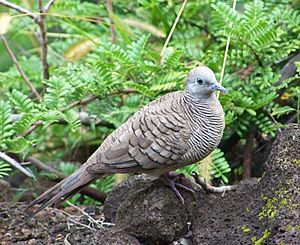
<point x="175" y="130"/>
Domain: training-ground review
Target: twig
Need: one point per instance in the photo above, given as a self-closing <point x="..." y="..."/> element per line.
<point x="97" y="223"/>
<point x="245" y="72"/>
<point x="16" y="164"/>
<point x="18" y="8"/>
<point x="109" y="4"/>
<point x="40" y="20"/>
<point x="83" y="116"/>
<point x="207" y="187"/>
<point x="76" y="103"/>
<point x="43" y="40"/>
<point x="81" y="102"/>
<point x="172" y="30"/>
<point x="30" y="130"/>
<point x="225" y="54"/>
<point x="48" y="5"/>
<point x="88" y="191"/>
<point x="247" y="157"/>
<point x="66" y="242"/>
<point x="74" y="221"/>
<point x="93" y="97"/>
<point x="39" y="123"/>
<point x="19" y="68"/>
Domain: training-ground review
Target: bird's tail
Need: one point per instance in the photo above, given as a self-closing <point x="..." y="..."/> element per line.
<point x="64" y="189"/>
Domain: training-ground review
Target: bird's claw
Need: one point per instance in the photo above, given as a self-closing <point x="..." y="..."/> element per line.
<point x="171" y="179"/>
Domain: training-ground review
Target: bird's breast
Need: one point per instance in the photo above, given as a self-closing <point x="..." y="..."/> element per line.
<point x="207" y="125"/>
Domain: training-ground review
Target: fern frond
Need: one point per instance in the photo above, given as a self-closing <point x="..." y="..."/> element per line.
<point x="5" y="169"/>
<point x="171" y="57"/>
<point x="17" y="145"/>
<point x="6" y="129"/>
<point x="220" y="166"/>
<point x="24" y="123"/>
<point x="72" y="119"/>
<point x="224" y="16"/>
<point x="135" y="49"/>
<point x="21" y="102"/>
<point x="57" y="92"/>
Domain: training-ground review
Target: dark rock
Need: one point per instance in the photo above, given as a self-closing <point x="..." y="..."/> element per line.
<point x="149" y="210"/>
<point x="268" y="211"/>
<point x="120" y="193"/>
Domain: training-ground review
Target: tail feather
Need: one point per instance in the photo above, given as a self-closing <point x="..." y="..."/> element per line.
<point x="63" y="190"/>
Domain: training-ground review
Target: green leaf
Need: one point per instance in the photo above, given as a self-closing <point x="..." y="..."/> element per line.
<point x="251" y="112"/>
<point x="57" y="92"/>
<point x="282" y="110"/>
<point x="6" y="129"/>
<point x="220" y="166"/>
<point x="72" y="119"/>
<point x="17" y="145"/>
<point x="21" y="102"/>
<point x="5" y="169"/>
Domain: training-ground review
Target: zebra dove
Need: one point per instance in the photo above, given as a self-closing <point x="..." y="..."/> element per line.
<point x="173" y="131"/>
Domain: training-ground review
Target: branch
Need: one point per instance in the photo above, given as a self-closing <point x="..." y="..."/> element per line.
<point x="109" y="4"/>
<point x="247" y="157"/>
<point x="84" y="118"/>
<point x="18" y="8"/>
<point x="93" y="97"/>
<point x="16" y="164"/>
<point x="40" y="20"/>
<point x="226" y="53"/>
<point x="31" y="129"/>
<point x="81" y="102"/>
<point x="76" y="103"/>
<point x="48" y="5"/>
<point x="209" y="188"/>
<point x="43" y="40"/>
<point x="88" y="191"/>
<point x="172" y="31"/>
<point x="19" y="68"/>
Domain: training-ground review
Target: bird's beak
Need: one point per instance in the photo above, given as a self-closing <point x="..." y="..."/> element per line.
<point x="218" y="86"/>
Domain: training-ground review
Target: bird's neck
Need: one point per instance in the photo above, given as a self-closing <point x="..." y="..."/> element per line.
<point x="203" y="110"/>
<point x="207" y="100"/>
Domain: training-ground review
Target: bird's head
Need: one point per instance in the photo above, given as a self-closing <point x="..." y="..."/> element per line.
<point x="201" y="82"/>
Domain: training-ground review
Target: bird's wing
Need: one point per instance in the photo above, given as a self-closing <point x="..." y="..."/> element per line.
<point x="154" y="138"/>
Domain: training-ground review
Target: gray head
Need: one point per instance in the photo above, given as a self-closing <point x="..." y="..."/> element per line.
<point x="201" y="82"/>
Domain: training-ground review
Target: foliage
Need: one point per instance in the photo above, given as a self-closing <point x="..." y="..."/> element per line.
<point x="128" y="74"/>
<point x="5" y="169"/>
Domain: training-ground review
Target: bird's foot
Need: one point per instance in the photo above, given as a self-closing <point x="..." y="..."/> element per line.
<point x="172" y="178"/>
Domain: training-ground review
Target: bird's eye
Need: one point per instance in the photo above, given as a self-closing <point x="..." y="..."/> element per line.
<point x="199" y="81"/>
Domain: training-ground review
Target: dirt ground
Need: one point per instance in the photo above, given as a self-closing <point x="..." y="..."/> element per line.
<point x="51" y="226"/>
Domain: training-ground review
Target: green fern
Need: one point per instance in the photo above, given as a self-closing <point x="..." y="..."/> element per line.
<point x="72" y="119"/>
<point x="21" y="102"/>
<point x="220" y="166"/>
<point x="5" y="169"/>
<point x="57" y="92"/>
<point x="6" y="129"/>
<point x="135" y="49"/>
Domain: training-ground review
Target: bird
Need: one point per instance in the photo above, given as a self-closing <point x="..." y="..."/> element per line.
<point x="175" y="130"/>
